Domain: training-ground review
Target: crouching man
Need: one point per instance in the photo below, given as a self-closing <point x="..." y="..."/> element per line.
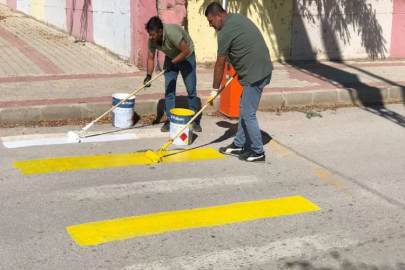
<point x="178" y="48"/>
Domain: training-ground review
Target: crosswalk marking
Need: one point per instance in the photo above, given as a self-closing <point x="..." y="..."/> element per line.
<point x="161" y="186"/>
<point x="95" y="136"/>
<point x="40" y="166"/>
<point x="235" y="258"/>
<point x="95" y="233"/>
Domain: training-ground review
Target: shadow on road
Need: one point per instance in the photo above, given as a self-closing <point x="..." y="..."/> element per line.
<point x="229" y="133"/>
<point x="333" y="23"/>
<point x="344" y="264"/>
<point x="368" y="97"/>
<point x="338" y="20"/>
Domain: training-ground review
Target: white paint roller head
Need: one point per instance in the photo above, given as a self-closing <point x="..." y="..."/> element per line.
<point x="73" y="136"/>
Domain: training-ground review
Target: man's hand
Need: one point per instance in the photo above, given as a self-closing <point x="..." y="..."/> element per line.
<point x="147" y="79"/>
<point x="214" y="93"/>
<point x="168" y="66"/>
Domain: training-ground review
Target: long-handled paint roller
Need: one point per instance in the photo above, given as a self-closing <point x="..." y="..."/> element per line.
<point x="155" y="158"/>
<point x="75" y="135"/>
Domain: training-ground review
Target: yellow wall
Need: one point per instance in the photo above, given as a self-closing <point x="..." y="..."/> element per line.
<point x="204" y="37"/>
<point x="273" y="17"/>
<point x="37" y="9"/>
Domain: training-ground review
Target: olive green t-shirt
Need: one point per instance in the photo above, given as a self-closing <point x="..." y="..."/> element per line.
<point x="243" y="44"/>
<point x="173" y="34"/>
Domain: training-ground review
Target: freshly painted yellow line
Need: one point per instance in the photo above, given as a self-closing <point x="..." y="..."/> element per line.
<point x="111" y="160"/>
<point x="124" y="228"/>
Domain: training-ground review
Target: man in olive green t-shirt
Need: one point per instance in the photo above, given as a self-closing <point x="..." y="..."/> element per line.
<point x="178" y="48"/>
<point x="241" y="42"/>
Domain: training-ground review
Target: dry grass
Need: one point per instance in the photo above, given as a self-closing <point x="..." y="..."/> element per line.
<point x="332" y="107"/>
<point x="144" y="120"/>
<point x="53" y="37"/>
<point x="149" y="119"/>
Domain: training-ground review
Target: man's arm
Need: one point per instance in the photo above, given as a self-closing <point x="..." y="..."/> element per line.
<point x="218" y="71"/>
<point x="184" y="51"/>
<point x="149" y="68"/>
<point x="224" y="45"/>
<point x="151" y="63"/>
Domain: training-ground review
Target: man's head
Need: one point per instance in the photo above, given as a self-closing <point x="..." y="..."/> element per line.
<point x="154" y="27"/>
<point x="215" y="15"/>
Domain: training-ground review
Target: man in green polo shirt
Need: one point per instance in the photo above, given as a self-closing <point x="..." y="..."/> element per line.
<point x="178" y="48"/>
<point x="240" y="40"/>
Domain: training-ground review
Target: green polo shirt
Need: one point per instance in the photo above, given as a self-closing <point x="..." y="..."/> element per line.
<point x="243" y="44"/>
<point x="173" y="34"/>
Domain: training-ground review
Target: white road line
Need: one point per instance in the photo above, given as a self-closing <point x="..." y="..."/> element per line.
<point x="238" y="258"/>
<point x="164" y="186"/>
<point x="62" y="138"/>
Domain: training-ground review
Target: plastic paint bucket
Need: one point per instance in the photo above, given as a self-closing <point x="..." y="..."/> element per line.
<point x="178" y="119"/>
<point x="123" y="115"/>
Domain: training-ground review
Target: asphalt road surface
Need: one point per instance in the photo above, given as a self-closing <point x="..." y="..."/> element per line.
<point x="331" y="195"/>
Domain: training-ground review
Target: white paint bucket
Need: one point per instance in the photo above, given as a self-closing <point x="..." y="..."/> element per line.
<point x="123" y="115"/>
<point x="178" y="119"/>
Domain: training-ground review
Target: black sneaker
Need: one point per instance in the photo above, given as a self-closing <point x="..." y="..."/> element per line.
<point x="197" y="128"/>
<point x="251" y="156"/>
<point x="231" y="149"/>
<point x="165" y="127"/>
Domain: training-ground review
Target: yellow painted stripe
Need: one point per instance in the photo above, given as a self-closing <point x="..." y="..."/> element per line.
<point x="326" y="176"/>
<point x="278" y="148"/>
<point x="111" y="160"/>
<point x="124" y="228"/>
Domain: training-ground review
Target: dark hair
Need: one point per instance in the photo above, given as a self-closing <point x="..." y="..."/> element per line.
<point x="154" y="24"/>
<point x="214" y="9"/>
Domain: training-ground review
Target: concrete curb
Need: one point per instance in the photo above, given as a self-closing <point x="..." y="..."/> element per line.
<point x="340" y="96"/>
<point x="29" y="114"/>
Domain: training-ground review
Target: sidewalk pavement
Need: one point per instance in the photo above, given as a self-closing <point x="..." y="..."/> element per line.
<point x="46" y="75"/>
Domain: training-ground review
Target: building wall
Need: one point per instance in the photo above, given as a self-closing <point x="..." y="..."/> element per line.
<point x="341" y="29"/>
<point x="111" y="22"/>
<point x="204" y="37"/>
<point x="79" y="19"/>
<point x="292" y="29"/>
<point x="273" y="18"/>
<point x="23" y="6"/>
<point x="11" y="3"/>
<point x="141" y="12"/>
<point x="37" y="9"/>
<point x="398" y="29"/>
<point x="55" y="13"/>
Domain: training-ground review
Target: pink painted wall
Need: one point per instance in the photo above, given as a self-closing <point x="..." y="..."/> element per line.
<point x="134" y="32"/>
<point x="173" y="12"/>
<point x="12" y="4"/>
<point x="398" y="30"/>
<point x="141" y="12"/>
<point x="79" y="19"/>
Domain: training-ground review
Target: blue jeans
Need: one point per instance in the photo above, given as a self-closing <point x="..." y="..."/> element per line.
<point x="248" y="106"/>
<point x="187" y="68"/>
